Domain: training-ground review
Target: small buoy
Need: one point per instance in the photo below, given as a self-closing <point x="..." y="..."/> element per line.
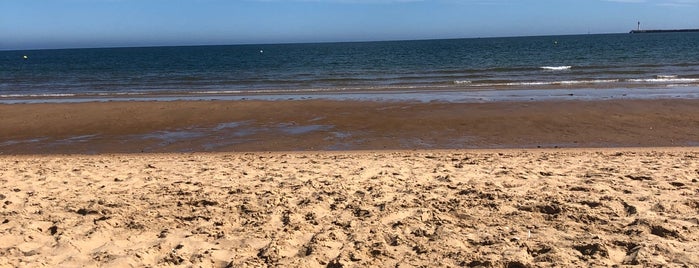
<point x="261" y="51"/>
<point x="25" y="57"/>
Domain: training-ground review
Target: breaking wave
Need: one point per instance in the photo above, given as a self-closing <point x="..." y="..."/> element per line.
<point x="556" y="68"/>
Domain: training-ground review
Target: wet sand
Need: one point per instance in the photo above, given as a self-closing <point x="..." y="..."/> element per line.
<point x="504" y="208"/>
<point x="185" y="126"/>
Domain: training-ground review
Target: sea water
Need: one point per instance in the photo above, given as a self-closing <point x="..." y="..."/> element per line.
<point x="645" y="63"/>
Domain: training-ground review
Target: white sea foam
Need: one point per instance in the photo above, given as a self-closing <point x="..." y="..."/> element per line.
<point x="59" y="95"/>
<point x="565" y="82"/>
<point x="220" y="92"/>
<point x="556" y="68"/>
<point x="665" y="80"/>
<point x="596" y="81"/>
<point x="36" y="95"/>
<point x="546" y="83"/>
<point x="315" y="90"/>
<point x="119" y="93"/>
<point x="665" y="76"/>
<point x="461" y="82"/>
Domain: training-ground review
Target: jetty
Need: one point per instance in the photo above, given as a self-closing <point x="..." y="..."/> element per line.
<point x="638" y="30"/>
<point x="664" y="31"/>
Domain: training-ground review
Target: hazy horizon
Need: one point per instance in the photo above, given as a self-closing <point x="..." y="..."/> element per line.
<point x="300" y="43"/>
<point x="44" y="24"/>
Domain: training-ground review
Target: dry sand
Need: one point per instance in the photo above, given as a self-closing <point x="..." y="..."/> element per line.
<point x="509" y="208"/>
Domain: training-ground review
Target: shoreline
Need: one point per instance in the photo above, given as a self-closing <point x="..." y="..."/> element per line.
<point x="564" y="150"/>
<point x="313" y="125"/>
<point x="409" y="94"/>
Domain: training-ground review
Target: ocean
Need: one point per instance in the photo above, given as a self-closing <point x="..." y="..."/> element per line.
<point x="642" y="63"/>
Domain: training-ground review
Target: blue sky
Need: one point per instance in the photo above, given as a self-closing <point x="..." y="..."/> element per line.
<point x="30" y="24"/>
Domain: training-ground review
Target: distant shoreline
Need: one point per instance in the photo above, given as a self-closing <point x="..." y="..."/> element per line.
<point x="166" y="45"/>
<point x="664" y="31"/>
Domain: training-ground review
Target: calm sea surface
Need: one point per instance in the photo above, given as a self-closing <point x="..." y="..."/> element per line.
<point x="612" y="61"/>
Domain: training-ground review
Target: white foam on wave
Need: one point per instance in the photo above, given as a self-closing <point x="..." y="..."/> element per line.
<point x="596" y="81"/>
<point x="266" y="91"/>
<point x="36" y="95"/>
<point x="661" y="76"/>
<point x="120" y="93"/>
<point x="565" y="82"/>
<point x="219" y="92"/>
<point x="665" y="80"/>
<point x="461" y="82"/>
<point x="64" y="95"/>
<point x="546" y="83"/>
<point x="556" y="68"/>
<point x="317" y="90"/>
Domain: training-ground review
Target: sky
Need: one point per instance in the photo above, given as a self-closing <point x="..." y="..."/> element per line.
<point x="37" y="24"/>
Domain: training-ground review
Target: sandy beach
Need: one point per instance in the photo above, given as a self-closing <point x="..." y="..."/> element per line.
<point x="478" y="208"/>
<point x="318" y="183"/>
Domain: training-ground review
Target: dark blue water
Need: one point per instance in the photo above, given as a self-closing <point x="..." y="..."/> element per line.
<point x="551" y="62"/>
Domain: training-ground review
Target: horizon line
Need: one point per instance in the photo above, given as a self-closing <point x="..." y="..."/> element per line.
<point x="302" y="42"/>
